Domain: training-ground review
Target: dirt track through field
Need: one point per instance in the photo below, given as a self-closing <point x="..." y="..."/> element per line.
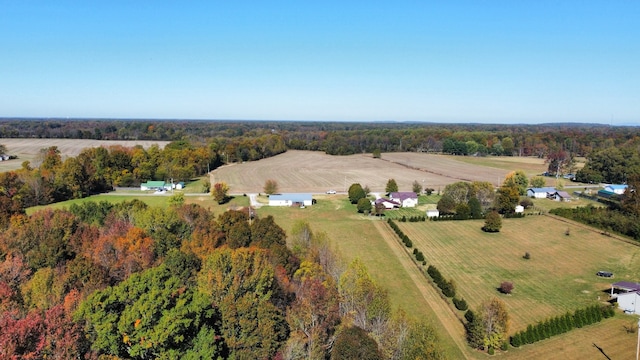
<point x="446" y="318"/>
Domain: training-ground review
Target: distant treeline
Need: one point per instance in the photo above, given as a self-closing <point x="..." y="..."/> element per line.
<point x="237" y="138"/>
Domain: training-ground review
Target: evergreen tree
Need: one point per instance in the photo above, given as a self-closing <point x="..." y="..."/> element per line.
<point x="392" y="186"/>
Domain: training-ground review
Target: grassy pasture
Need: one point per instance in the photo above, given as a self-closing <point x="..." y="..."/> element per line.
<point x="162" y="201"/>
<point x="559" y="277"/>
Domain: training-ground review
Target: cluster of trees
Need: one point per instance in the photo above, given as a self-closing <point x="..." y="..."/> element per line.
<point x="561" y="324"/>
<point x="488" y="326"/>
<point x="131" y="281"/>
<point x="447" y="286"/>
<point x="468" y="200"/>
<point x="613" y="165"/>
<point x="50" y="178"/>
<point x="403" y="237"/>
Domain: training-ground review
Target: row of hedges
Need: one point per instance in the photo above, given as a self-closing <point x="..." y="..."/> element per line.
<point x="405" y="239"/>
<point x="447" y="287"/>
<point x="561" y="324"/>
<point x="413" y="218"/>
<point x="454" y="217"/>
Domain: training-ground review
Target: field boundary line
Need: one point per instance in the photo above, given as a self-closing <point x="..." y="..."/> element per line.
<point x="448" y="319"/>
<point x="593" y="229"/>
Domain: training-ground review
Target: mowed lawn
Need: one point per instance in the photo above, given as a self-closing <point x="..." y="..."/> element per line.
<point x="559" y="277"/>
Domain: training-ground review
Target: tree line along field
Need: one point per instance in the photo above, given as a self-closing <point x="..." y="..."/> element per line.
<point x="28" y="149"/>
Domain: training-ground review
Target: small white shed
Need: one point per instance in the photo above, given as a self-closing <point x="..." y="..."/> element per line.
<point x="629" y="302"/>
<point x="519" y="209"/>
<point x="433" y="213"/>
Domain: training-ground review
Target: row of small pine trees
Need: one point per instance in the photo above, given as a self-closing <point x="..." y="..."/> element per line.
<point x="561" y="324"/>
<point x="447" y="287"/>
<point x="405" y="239"/>
<point x="413" y="218"/>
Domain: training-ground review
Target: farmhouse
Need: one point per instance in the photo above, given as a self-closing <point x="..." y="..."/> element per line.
<point x="616" y="189"/>
<point x="406" y="199"/>
<point x="154" y="185"/>
<point x="291" y="199"/>
<point x="540" y="193"/>
<point x="388" y="204"/>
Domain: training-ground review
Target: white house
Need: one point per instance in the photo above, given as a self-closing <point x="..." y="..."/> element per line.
<point x="154" y="185"/>
<point x="616" y="189"/>
<point x="407" y="198"/>
<point x="540" y="193"/>
<point x="290" y="199"/>
<point x="388" y="204"/>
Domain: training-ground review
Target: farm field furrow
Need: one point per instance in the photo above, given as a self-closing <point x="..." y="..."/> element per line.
<point x="316" y="172"/>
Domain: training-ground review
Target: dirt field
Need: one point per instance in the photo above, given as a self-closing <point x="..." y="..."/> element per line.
<point x="316" y="172"/>
<point x="27" y="149"/>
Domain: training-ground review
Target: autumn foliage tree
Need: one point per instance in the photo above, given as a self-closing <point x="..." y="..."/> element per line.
<point x="270" y="187"/>
<point x="220" y="192"/>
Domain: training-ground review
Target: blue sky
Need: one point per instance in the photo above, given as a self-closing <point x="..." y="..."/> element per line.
<point x="447" y="61"/>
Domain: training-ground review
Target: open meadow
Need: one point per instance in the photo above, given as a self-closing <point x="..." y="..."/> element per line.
<point x="28" y="149"/>
<point x="559" y="276"/>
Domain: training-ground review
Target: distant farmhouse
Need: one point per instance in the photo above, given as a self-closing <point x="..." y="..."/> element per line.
<point x="388" y="204"/>
<point x="616" y="189"/>
<point x="540" y="193"/>
<point x="291" y="199"/>
<point x="406" y="199"/>
<point x="155" y="185"/>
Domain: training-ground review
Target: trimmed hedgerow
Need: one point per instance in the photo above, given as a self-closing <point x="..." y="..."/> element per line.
<point x="561" y="324"/>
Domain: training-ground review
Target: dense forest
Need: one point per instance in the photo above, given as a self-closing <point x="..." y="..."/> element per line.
<point x="237" y="138"/>
<point x="137" y="282"/>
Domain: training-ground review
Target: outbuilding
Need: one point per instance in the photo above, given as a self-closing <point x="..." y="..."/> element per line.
<point x="433" y="213"/>
<point x="628" y="302"/>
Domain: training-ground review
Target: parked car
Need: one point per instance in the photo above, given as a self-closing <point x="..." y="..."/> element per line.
<point x="331" y="192"/>
<point x="606" y="274"/>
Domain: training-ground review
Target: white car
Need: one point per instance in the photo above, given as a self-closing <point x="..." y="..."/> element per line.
<point x="331" y="192"/>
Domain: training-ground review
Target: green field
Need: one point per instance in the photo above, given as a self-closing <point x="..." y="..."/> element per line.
<point x="559" y="277"/>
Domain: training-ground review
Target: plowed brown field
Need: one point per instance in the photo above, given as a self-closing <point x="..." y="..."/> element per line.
<point x="316" y="172"/>
<point x="27" y="149"/>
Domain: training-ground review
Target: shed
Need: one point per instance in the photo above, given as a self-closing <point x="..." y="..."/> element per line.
<point x="540" y="193"/>
<point x="519" y="209"/>
<point x="628" y="302"/>
<point x="433" y="213"/>
<point x="290" y="199"/>
<point x="561" y="196"/>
